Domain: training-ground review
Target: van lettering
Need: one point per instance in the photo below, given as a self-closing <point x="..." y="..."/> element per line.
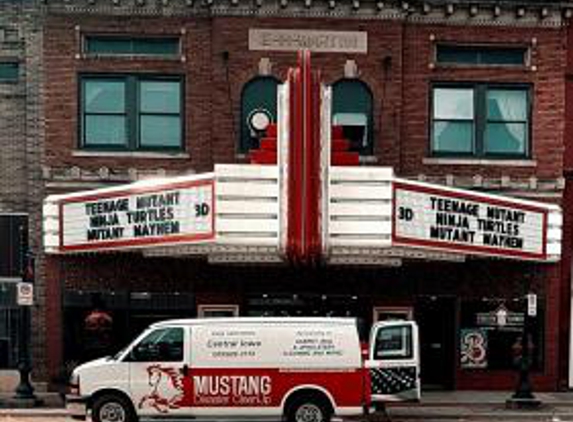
<point x="201" y="385"/>
<point x="236" y="385"/>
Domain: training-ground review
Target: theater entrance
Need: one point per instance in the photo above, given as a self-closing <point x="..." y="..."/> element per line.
<point x="436" y="317"/>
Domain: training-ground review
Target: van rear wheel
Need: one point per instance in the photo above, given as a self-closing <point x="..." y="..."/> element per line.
<point x="112" y="408"/>
<point x="308" y="410"/>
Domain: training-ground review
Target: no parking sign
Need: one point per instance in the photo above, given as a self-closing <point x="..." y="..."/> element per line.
<point x="25" y="296"/>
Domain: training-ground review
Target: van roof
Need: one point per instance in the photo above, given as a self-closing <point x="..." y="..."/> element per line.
<point x="257" y="320"/>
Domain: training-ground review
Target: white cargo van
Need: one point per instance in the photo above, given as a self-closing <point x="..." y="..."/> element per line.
<point x="299" y="369"/>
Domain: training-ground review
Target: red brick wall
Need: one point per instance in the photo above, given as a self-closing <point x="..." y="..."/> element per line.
<point x="567" y="245"/>
<point x="402" y="137"/>
<point x="208" y="91"/>
<point x="397" y="70"/>
<point x="548" y="55"/>
<point x="62" y="44"/>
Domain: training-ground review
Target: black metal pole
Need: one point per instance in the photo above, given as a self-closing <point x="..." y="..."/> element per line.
<point x="24" y="390"/>
<point x="524" y="390"/>
<point x="523" y="397"/>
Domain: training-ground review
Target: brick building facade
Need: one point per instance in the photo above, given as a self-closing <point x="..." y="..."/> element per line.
<point x="567" y="200"/>
<point x="20" y="181"/>
<point x="416" y="52"/>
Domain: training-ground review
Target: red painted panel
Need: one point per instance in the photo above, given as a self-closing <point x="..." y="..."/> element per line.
<point x="340" y="144"/>
<point x="248" y="387"/>
<point x="268" y="144"/>
<point x="345" y="159"/>
<point x="271" y="131"/>
<point x="263" y="157"/>
<point x="337" y="132"/>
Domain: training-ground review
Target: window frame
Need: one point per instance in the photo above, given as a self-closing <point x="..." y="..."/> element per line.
<point x="492" y="47"/>
<point x="245" y="145"/>
<point x="131" y="38"/>
<point x="480" y="120"/>
<point x="367" y="150"/>
<point x="16" y="64"/>
<point x="133" y="111"/>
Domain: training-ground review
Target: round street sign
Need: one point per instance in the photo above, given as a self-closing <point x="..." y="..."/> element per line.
<point x="25" y="295"/>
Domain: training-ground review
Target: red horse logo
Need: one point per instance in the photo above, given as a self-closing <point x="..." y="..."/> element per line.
<point x="167" y="389"/>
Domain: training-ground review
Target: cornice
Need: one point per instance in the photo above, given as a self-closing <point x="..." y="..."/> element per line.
<point x="520" y="186"/>
<point x="452" y="12"/>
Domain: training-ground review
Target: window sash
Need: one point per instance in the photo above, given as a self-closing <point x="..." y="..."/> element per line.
<point x="352" y="97"/>
<point x="134" y="116"/>
<point x="470" y="142"/>
<point x="128" y="46"/>
<point x="9" y="71"/>
<point x="483" y="145"/>
<point x="462" y="98"/>
<point x="481" y="55"/>
<point x="496" y="146"/>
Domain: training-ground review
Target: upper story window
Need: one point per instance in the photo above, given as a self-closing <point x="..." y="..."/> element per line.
<point x="9" y="71"/>
<point x="131" y="46"/>
<point x="481" y="55"/>
<point x="480" y="120"/>
<point x="13" y="244"/>
<point x="131" y="112"/>
<point x="258" y="110"/>
<point x="352" y="109"/>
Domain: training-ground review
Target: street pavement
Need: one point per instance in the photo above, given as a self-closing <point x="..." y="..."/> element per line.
<point x="426" y="418"/>
<point x="453" y="406"/>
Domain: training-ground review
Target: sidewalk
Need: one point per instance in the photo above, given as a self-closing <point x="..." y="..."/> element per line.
<point x="482" y="405"/>
<point x="46" y="403"/>
<point x="439" y="405"/>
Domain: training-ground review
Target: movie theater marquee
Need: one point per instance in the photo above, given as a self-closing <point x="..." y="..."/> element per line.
<point x="460" y="221"/>
<point x="138" y="216"/>
<point x="189" y="210"/>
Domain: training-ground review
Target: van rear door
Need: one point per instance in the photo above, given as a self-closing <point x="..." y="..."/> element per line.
<point x="394" y="361"/>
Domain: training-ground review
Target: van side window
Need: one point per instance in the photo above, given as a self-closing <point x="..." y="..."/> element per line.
<point x="163" y="345"/>
<point x="393" y="343"/>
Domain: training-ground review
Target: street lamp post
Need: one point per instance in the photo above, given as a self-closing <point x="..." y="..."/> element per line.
<point x="523" y="397"/>
<point x="24" y="391"/>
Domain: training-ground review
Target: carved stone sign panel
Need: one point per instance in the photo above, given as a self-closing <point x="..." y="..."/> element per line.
<point x="317" y="41"/>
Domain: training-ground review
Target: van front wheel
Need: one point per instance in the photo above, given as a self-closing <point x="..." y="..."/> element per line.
<point x="308" y="410"/>
<point x="112" y="408"/>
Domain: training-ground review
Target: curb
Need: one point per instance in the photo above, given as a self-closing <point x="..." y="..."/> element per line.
<point x="421" y="415"/>
<point x="34" y="412"/>
<point x="481" y="416"/>
<point x="497" y="412"/>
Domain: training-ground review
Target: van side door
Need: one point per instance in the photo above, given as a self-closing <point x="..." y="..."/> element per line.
<point x="158" y="373"/>
<point x="394" y="361"/>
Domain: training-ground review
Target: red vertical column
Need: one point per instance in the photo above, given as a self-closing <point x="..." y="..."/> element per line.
<point x="295" y="180"/>
<point x="304" y="241"/>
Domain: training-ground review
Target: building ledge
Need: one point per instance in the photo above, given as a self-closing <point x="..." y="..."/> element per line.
<point x="133" y="154"/>
<point x="478" y="162"/>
